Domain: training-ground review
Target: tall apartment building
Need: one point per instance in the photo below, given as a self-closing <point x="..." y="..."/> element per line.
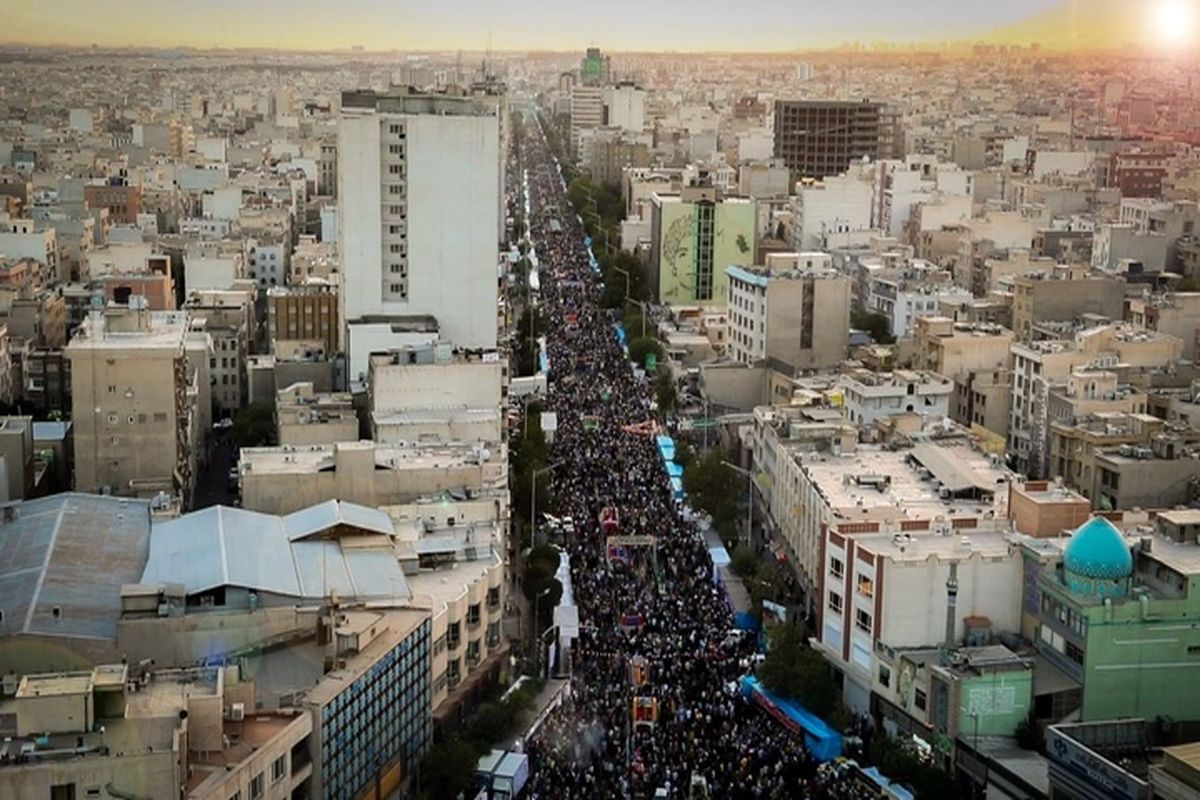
<point x="1061" y="295"/>
<point x="625" y="106"/>
<point x="816" y="138"/>
<point x="978" y="358"/>
<point x="303" y="313"/>
<point x="133" y="403"/>
<point x="793" y="314"/>
<point x="228" y="318"/>
<point x="418" y="219"/>
<point x="694" y="235"/>
<point x="587" y="112"/>
<point x="124" y="202"/>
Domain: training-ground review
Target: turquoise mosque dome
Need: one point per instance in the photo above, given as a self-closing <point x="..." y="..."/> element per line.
<point x="1097" y="560"/>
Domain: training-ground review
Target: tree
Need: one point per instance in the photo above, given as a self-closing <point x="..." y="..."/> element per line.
<point x="642" y="347"/>
<point x="664" y="390"/>
<point x="1029" y="734"/>
<point x="254" y="425"/>
<point x="448" y="769"/>
<point x="713" y="488"/>
<point x="794" y="669"/>
<point x="877" y="325"/>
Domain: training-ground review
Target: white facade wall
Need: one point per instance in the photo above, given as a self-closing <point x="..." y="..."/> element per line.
<point x="757" y="145"/>
<point x="838" y="205"/>
<point x="450" y="223"/>
<point x="401" y="387"/>
<point x="626" y="107"/>
<point x="223" y="203"/>
<point x="865" y="404"/>
<point x="80" y="119"/>
<point x="747" y="315"/>
<point x="1064" y="162"/>
<point x="211" y="272"/>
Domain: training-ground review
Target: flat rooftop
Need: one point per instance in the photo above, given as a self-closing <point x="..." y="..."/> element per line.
<point x="288" y="459"/>
<point x="907" y="494"/>
<point x="963" y="544"/>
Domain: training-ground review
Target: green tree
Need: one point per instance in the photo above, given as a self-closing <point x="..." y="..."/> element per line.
<point x="1029" y="734"/>
<point x="254" y="425"/>
<point x="877" y="325"/>
<point x="643" y="346"/>
<point x="665" y="393"/>
<point x="714" y="488"/>
<point x="448" y="769"/>
<point x="794" y="669"/>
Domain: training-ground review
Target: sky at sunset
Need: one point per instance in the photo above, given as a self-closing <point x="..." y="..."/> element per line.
<point x="615" y="25"/>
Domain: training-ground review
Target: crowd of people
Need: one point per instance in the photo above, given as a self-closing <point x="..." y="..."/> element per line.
<point x="655" y="605"/>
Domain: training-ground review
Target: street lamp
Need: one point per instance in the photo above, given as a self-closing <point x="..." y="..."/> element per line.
<point x="537" y="634"/>
<point x="644" y="306"/>
<point x="533" y="499"/>
<point x="626" y="274"/>
<point x="749" y="497"/>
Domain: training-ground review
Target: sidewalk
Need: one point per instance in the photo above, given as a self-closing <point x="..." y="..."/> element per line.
<point x="548" y="696"/>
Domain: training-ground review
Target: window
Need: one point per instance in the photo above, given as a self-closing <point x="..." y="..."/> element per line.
<point x="473" y="652"/>
<point x="836" y="567"/>
<point x="866" y="586"/>
<point x="256" y="786"/>
<point x="885" y="676"/>
<point x="473" y="614"/>
<point x="279" y="768"/>
<point x="835" y="602"/>
<point x="62" y="791"/>
<point x="919" y="699"/>
<point x="236" y="796"/>
<point x="862" y="620"/>
<point x="1074" y="653"/>
<point x="454" y="635"/>
<point x="493" y="598"/>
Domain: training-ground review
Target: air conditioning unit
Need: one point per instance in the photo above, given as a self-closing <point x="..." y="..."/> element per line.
<point x="237" y="712"/>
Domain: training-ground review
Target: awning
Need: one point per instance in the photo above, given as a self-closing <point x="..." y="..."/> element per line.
<point x="950" y="472"/>
<point x="1049" y="679"/>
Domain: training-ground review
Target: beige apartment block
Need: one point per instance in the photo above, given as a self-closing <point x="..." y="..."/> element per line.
<point x="978" y="358"/>
<point x="279" y="480"/>
<point x="133" y="403"/>
<point x="305" y="417"/>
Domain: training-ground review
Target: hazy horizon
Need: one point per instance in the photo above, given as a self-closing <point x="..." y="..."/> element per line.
<point x="521" y="25"/>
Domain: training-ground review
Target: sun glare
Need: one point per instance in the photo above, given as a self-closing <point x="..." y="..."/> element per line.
<point x="1174" y="22"/>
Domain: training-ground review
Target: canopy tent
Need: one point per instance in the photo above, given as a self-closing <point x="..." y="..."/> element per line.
<point x="822" y="741"/>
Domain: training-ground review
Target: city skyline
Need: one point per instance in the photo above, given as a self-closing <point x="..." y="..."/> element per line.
<point x="1169" y="26"/>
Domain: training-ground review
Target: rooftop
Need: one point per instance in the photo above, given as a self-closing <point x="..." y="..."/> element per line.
<point x="301" y="555"/>
<point x="845" y="483"/>
<point x="63" y="560"/>
<point x="964" y="543"/>
<point x="288" y="459"/>
<point x="160" y="330"/>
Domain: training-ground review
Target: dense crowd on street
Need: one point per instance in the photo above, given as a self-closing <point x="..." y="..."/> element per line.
<point x="656" y="603"/>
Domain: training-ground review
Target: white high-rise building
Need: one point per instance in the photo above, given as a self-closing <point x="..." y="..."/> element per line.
<point x="587" y="111"/>
<point x="418" y="221"/>
<point x="626" y="107"/>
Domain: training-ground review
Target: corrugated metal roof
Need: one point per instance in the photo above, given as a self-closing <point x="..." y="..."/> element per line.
<point x="72" y="552"/>
<point x="307" y="521"/>
<point x="224" y="546"/>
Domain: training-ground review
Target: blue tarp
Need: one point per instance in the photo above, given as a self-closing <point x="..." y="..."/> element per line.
<point x="666" y="446"/>
<point x="621" y="335"/>
<point x="677" y="487"/>
<point x="821" y="740"/>
<point x="745" y="621"/>
<point x="894" y="789"/>
<point x="674" y="470"/>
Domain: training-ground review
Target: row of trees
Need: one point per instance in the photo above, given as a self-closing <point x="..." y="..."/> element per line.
<point x="448" y="769"/>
